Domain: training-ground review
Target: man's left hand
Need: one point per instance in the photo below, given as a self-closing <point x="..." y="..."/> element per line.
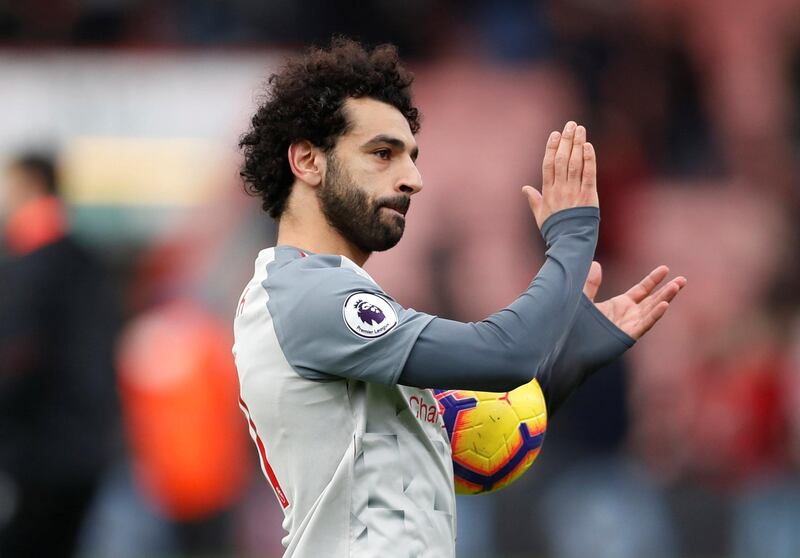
<point x="638" y="309"/>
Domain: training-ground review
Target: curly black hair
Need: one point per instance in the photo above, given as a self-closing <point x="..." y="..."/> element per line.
<point x="304" y="102"/>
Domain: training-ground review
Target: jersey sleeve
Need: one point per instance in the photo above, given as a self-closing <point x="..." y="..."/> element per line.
<point x="506" y="349"/>
<point x="592" y="342"/>
<point x="332" y="322"/>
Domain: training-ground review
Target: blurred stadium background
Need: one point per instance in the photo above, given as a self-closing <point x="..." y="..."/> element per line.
<point x="689" y="447"/>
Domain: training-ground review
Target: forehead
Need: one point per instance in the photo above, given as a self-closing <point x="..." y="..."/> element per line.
<point x="369" y="118"/>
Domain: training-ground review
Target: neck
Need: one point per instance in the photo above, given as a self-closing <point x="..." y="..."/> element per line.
<point x="314" y="233"/>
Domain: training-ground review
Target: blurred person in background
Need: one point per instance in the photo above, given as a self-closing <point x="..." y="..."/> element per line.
<point x="189" y="455"/>
<point x="187" y="486"/>
<point x="58" y="401"/>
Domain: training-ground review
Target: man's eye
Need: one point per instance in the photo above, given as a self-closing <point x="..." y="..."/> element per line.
<point x="383" y="154"/>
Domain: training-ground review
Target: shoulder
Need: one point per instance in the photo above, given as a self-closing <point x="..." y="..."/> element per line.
<point x="66" y="258"/>
<point x="311" y="291"/>
<point x="315" y="275"/>
<point x="331" y="320"/>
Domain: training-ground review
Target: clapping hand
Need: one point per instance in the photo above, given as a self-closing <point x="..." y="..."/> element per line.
<point x="638" y="309"/>
<point x="569" y="174"/>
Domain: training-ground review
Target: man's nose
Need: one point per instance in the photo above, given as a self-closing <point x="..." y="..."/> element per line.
<point x="411" y="183"/>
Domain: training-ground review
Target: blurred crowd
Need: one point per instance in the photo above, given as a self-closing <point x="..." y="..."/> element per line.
<point x="689" y="446"/>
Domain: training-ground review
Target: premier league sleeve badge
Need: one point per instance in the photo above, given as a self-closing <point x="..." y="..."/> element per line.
<point x="368" y="315"/>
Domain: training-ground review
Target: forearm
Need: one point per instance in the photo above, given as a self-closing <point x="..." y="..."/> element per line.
<point x="592" y="342"/>
<point x="506" y="349"/>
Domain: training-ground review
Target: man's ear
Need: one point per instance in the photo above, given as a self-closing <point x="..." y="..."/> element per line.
<point x="307" y="162"/>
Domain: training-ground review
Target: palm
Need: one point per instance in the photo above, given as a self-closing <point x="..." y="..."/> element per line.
<point x="636" y="310"/>
<point x="623" y="312"/>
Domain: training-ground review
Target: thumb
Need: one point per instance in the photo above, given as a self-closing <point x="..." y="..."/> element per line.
<point x="534" y="198"/>
<point x="593" y="281"/>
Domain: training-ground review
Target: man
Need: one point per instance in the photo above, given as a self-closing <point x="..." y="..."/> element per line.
<point x="329" y="364"/>
<point x="58" y="410"/>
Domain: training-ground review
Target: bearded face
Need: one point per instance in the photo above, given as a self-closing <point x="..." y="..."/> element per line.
<point x="372" y="225"/>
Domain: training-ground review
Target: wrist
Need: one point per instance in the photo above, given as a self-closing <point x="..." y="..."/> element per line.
<point x="559" y="222"/>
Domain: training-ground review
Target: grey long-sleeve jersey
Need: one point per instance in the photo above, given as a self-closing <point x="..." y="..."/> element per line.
<point x="551" y="332"/>
<point x="359" y="462"/>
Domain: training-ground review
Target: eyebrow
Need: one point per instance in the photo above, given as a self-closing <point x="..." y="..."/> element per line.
<point x="397" y="143"/>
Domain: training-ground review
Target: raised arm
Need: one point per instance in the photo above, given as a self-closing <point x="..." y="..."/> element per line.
<point x="507" y="348"/>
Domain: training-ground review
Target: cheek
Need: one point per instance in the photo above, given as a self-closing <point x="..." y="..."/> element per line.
<point x="369" y="190"/>
<point x="377" y="178"/>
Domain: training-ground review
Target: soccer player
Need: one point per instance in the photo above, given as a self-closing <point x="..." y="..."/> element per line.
<point x="333" y="371"/>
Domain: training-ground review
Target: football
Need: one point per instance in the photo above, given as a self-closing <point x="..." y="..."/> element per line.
<point x="495" y="437"/>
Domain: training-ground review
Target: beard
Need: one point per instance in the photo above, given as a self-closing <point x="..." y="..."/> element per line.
<point x="360" y="220"/>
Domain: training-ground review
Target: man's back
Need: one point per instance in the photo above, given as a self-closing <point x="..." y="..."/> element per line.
<point x="57" y="393"/>
<point x="361" y="468"/>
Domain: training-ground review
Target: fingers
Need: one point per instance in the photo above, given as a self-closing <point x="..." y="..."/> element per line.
<point x="589" y="176"/>
<point x="593" y="281"/>
<point x="549" y="161"/>
<point x="640" y="291"/>
<point x="657" y="305"/>
<point x="568" y="173"/>
<point x="664" y="294"/>
<point x="564" y="151"/>
<point x="650" y="319"/>
<point x="575" y="165"/>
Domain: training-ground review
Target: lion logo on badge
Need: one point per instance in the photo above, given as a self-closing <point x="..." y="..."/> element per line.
<point x="369" y="313"/>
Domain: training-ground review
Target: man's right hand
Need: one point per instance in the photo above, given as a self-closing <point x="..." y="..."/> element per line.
<point x="569" y="174"/>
